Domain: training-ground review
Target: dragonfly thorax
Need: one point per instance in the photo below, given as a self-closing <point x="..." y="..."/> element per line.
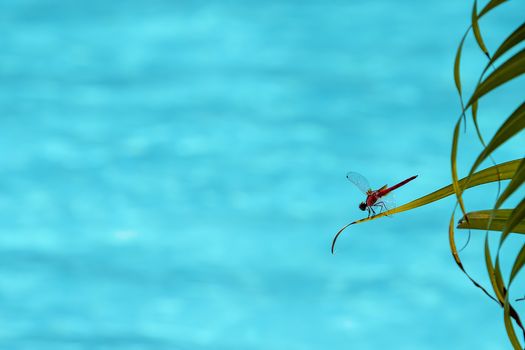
<point x="371" y="199"/>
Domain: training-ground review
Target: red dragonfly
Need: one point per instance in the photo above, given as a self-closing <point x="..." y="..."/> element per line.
<point x="375" y="199"/>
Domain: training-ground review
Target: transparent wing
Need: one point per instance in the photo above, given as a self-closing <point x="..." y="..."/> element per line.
<point x="359" y="180"/>
<point x="389" y="201"/>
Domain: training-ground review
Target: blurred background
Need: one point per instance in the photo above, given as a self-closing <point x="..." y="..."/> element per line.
<point x="173" y="172"/>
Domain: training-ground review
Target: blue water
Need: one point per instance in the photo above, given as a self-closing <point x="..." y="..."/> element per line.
<point x="173" y="172"/>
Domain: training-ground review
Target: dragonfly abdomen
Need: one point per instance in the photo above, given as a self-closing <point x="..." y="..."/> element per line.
<point x="390" y="189"/>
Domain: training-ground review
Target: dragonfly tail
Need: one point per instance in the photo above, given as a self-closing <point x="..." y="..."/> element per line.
<point x="390" y="189"/>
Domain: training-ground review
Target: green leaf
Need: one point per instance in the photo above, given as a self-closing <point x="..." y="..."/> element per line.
<point x="490" y="270"/>
<point x="512" y="126"/>
<point x="452" y="243"/>
<point x="476" y="30"/>
<point x="517" y="180"/>
<point x="508" y="325"/>
<point x="457" y="76"/>
<point x="479" y="220"/>
<point x="511" y="311"/>
<point x="517" y="217"/>
<point x="454" y="169"/>
<point x="503" y="171"/>
<point x="474" y="110"/>
<point x="518" y="264"/>
<point x="512" y="40"/>
<point x="510" y="69"/>
<point x="457" y="61"/>
<point x="455" y="254"/>
<point x="499" y="277"/>
<point x="490" y="6"/>
<point x="337" y="235"/>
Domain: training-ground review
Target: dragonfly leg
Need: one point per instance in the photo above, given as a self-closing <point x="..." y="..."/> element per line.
<point x="382" y="205"/>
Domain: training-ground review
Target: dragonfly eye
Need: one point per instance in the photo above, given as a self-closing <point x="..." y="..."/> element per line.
<point x="362" y="206"/>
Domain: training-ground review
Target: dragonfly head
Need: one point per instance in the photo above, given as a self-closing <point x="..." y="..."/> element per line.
<point x="362" y="206"/>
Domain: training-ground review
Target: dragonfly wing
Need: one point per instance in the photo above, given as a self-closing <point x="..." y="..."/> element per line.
<point x="359" y="180"/>
<point x="389" y="200"/>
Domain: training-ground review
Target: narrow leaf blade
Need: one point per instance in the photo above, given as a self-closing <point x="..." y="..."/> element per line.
<point x="510" y="69"/>
<point x="479" y="220"/>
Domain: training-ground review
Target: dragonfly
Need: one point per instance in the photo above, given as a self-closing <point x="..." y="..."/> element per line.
<point x="375" y="199"/>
